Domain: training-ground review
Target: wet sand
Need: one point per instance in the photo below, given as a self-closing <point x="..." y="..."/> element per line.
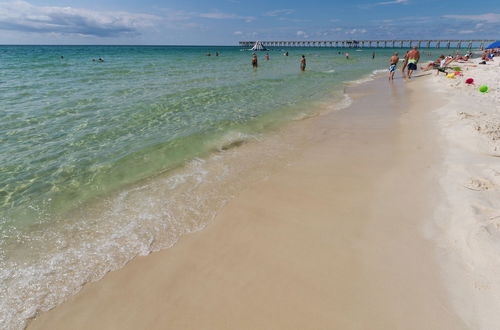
<point x="333" y="240"/>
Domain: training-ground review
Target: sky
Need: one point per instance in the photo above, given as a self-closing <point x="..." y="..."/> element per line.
<point x="225" y="22"/>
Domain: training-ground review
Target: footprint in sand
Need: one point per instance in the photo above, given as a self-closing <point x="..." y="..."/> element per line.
<point x="478" y="184"/>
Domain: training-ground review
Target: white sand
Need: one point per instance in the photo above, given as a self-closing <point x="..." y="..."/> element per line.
<point x="333" y="240"/>
<point x="467" y="225"/>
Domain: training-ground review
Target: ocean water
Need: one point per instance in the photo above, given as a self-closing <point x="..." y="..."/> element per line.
<point x="104" y="161"/>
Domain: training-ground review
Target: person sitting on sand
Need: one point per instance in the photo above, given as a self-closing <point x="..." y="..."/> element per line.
<point x="393" y="62"/>
<point x="441" y="64"/>
<point x="487" y="56"/>
<point x="433" y="65"/>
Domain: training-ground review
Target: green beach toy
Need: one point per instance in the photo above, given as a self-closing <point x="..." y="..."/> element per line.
<point x="483" y="89"/>
<point x="457" y="69"/>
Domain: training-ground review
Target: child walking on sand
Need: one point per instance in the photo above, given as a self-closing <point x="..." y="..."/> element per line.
<point x="393" y="62"/>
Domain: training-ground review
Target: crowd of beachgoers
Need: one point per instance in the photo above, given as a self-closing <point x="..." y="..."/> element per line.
<point x="441" y="64"/>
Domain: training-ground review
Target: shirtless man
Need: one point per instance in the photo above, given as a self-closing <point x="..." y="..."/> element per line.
<point x="303" y="63"/>
<point x="413" y="57"/>
<point x="392" y="67"/>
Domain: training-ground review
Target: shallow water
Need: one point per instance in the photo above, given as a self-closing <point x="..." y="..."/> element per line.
<point x="103" y="161"/>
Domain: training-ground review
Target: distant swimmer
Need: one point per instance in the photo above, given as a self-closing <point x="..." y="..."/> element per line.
<point x="254" y="61"/>
<point x="62" y="57"/>
<point x="208" y="54"/>
<point x="267" y="56"/>
<point x="373" y="55"/>
<point x="303" y="63"/>
<point x="393" y="62"/>
<point x="216" y="53"/>
<point x="347" y="56"/>
<point x="286" y="54"/>
<point x="413" y="58"/>
<point x="100" y="59"/>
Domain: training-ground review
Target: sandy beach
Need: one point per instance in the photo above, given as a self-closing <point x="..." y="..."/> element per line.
<point x="338" y="238"/>
<point x="466" y="225"/>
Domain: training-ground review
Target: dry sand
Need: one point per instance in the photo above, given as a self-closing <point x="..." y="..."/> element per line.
<point x="331" y="241"/>
<point x="467" y="221"/>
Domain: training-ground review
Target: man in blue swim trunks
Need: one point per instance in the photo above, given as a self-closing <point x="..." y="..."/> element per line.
<point x="413" y="57"/>
<point x="393" y="64"/>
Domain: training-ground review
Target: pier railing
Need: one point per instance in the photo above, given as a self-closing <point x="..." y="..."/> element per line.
<point x="468" y="43"/>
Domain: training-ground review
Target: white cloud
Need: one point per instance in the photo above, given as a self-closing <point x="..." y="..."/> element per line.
<point x="279" y="12"/>
<point x="394" y="2"/>
<point x="384" y="3"/>
<point x="237" y="33"/>
<point x="220" y="15"/>
<point x="356" y="31"/>
<point x="302" y="34"/>
<point x="25" y="17"/>
<point x="488" y="18"/>
<point x="466" y="31"/>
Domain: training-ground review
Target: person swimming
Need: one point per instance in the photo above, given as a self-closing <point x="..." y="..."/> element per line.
<point x="303" y="63"/>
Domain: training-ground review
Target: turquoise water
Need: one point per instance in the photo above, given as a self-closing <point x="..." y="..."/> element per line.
<point x="74" y="130"/>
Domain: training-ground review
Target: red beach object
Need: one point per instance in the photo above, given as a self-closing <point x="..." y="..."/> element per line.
<point x="469" y="81"/>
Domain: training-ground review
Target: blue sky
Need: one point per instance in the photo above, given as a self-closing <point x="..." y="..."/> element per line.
<point x="225" y="22"/>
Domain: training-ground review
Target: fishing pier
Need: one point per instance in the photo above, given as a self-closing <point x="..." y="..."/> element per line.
<point x="467" y="44"/>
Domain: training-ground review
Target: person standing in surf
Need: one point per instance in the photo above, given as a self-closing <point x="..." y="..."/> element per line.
<point x="413" y="58"/>
<point x="405" y="63"/>
<point x="303" y="63"/>
<point x="254" y="61"/>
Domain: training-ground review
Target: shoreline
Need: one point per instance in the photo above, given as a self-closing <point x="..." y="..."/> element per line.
<point x="150" y="215"/>
<point x="313" y="243"/>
